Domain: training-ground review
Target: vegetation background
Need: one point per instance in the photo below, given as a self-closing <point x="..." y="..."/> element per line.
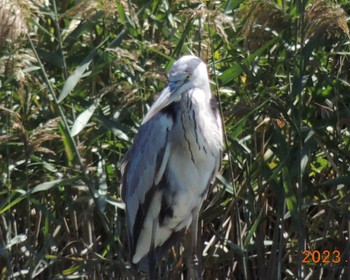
<point x="76" y="78"/>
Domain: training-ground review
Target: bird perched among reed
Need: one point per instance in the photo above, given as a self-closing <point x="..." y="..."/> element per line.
<point x="171" y="164"/>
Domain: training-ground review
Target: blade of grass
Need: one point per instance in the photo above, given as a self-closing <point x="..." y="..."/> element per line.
<point x="86" y="178"/>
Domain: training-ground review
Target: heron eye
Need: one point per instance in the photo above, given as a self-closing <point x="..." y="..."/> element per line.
<point x="188" y="76"/>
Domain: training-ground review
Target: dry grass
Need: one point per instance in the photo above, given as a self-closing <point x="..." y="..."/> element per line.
<point x="326" y="22"/>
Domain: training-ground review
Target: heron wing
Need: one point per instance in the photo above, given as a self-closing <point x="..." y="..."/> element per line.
<point x="216" y="113"/>
<point x="142" y="168"/>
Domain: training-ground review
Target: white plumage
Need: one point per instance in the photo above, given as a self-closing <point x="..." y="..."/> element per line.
<point x="174" y="158"/>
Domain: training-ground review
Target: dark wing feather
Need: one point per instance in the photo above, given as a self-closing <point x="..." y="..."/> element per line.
<point x="142" y="168"/>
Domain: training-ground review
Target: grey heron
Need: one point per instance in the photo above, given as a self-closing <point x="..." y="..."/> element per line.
<point x="173" y="160"/>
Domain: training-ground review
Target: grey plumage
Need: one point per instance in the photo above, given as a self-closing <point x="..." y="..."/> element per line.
<point x="174" y="158"/>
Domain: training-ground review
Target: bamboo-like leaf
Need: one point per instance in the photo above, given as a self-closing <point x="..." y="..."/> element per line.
<point x="70" y="36"/>
<point x="253" y="229"/>
<point x="339" y="181"/>
<point x="68" y="145"/>
<point x="231" y="73"/>
<point x="78" y="73"/>
<point x="16" y="240"/>
<point x="130" y="26"/>
<point x="73" y="79"/>
<point x="228" y="185"/>
<point x="236" y="70"/>
<point x="307" y="148"/>
<point x="113" y="126"/>
<point x="76" y="270"/>
<point x="11" y="201"/>
<point x="181" y="41"/>
<point x="51" y="184"/>
<point x="290" y="198"/>
<point x="82" y="120"/>
<point x="116" y="203"/>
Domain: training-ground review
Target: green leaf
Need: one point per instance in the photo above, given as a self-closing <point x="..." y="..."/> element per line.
<point x="290" y="198"/>
<point x="231" y="73"/>
<point x="307" y="148"/>
<point x="236" y="70"/>
<point x="341" y="180"/>
<point x="49" y="185"/>
<point x="228" y="185"/>
<point x="68" y="144"/>
<point x="78" y="73"/>
<point x="73" y="79"/>
<point x="82" y="120"/>
<point x="11" y="201"/>
<point x="113" y="126"/>
<point x="253" y="229"/>
<point x="130" y="26"/>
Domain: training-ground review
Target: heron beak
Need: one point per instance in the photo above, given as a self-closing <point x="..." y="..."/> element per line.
<point x="167" y="96"/>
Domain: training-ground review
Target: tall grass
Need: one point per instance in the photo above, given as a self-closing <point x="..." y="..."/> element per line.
<point x="76" y="80"/>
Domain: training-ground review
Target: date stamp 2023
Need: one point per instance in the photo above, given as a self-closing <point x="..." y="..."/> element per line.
<point x="323" y="257"/>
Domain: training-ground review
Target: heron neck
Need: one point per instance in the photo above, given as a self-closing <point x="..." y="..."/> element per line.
<point x="196" y="113"/>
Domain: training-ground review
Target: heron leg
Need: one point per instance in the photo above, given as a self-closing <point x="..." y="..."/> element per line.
<point x="194" y="237"/>
<point x="152" y="255"/>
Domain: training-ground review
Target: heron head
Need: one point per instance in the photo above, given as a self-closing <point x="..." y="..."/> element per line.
<point x="186" y="73"/>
